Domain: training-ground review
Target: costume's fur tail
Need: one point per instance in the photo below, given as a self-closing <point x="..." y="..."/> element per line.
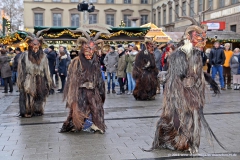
<point x="77" y="117"/>
<point x="208" y="130"/>
<point x="213" y="84"/>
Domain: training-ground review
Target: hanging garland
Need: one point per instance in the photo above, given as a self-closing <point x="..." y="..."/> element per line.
<point x="10" y="39"/>
<point x="130" y="34"/>
<point x="223" y="40"/>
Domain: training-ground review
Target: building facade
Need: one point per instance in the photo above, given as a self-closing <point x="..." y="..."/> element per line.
<point x="165" y="13"/>
<point x="64" y="12"/>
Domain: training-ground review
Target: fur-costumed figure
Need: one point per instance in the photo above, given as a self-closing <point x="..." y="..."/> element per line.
<point x="85" y="89"/>
<point x="145" y="74"/>
<point x="33" y="79"/>
<point x="179" y="126"/>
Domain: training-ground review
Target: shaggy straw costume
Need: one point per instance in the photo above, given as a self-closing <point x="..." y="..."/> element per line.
<point x="179" y="126"/>
<point x="85" y="89"/>
<point x="34" y="79"/>
<point x="145" y="74"/>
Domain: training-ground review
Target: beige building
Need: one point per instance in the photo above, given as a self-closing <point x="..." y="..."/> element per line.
<point x="64" y="12"/>
<point x="221" y="10"/>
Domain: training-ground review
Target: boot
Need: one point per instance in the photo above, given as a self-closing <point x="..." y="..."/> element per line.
<point x="229" y="87"/>
<point x="238" y="86"/>
<point x="235" y="87"/>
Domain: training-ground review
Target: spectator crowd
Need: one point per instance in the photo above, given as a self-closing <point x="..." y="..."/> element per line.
<point x="117" y="64"/>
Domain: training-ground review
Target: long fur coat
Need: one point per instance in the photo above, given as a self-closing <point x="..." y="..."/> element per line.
<point x="145" y="74"/>
<point x="34" y="82"/>
<point x="83" y="101"/>
<point x="179" y="126"/>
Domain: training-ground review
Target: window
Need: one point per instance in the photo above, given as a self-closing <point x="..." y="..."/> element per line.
<point x="164" y="16"/>
<point x="75" y="20"/>
<point x="127" y="2"/>
<point x="234" y="1"/>
<point x="170" y="15"/>
<point x="233" y="28"/>
<point x="191" y="8"/>
<point x="144" y="1"/>
<point x="126" y="20"/>
<point x="74" y="0"/>
<point x="56" y="0"/>
<point x="154" y="18"/>
<point x="210" y="3"/>
<point x="38" y="19"/>
<point x="92" y="18"/>
<point x="92" y="1"/>
<point x="110" y="1"/>
<point x="57" y="19"/>
<point x="159" y="19"/>
<point x="184" y="9"/>
<point x="144" y="19"/>
<point x="221" y="3"/>
<point x="110" y="19"/>
<point x="177" y="12"/>
<point x="200" y="5"/>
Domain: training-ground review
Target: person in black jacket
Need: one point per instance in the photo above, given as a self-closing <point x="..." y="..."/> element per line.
<point x="15" y="62"/>
<point x="216" y="60"/>
<point x="62" y="69"/>
<point x="51" y="56"/>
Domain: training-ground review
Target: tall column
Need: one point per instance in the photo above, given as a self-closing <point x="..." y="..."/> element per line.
<point x="215" y="4"/>
<point x="188" y="9"/>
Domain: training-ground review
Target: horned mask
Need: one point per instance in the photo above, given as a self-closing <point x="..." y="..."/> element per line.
<point x="196" y="33"/>
<point x="88" y="44"/>
<point x="35" y="41"/>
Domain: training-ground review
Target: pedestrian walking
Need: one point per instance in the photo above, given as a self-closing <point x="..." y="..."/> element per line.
<point x="6" y="72"/>
<point x="217" y="59"/>
<point x="111" y="62"/>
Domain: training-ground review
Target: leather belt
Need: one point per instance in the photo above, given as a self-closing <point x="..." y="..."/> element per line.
<point x="88" y="85"/>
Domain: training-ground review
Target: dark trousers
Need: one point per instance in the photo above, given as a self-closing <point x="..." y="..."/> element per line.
<point x="121" y="84"/>
<point x="209" y="68"/>
<point x="7" y="81"/>
<point x="227" y="74"/>
<point x="63" y="80"/>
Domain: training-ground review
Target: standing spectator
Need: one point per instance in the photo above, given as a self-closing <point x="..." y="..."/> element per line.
<point x="101" y="59"/>
<point x="217" y="59"/>
<point x="121" y="74"/>
<point x="51" y="56"/>
<point x="62" y="69"/>
<point x="15" y="61"/>
<point x="234" y="64"/>
<point x="157" y="56"/>
<point x="226" y="66"/>
<point x="6" y="72"/>
<point x="11" y="55"/>
<point x="208" y="50"/>
<point x="130" y="59"/>
<point x="111" y="61"/>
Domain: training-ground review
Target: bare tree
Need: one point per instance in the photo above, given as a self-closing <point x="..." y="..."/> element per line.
<point x="14" y="10"/>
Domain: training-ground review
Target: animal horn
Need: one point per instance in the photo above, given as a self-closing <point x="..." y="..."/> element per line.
<point x="28" y="37"/>
<point x="39" y="32"/>
<point x="82" y="31"/>
<point x="201" y="14"/>
<point x="97" y="36"/>
<point x="98" y="41"/>
<point x="81" y="39"/>
<point x="194" y="22"/>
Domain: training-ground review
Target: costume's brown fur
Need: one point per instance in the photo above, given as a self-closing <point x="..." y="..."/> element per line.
<point x="145" y="74"/>
<point x="34" y="82"/>
<point x="179" y="126"/>
<point x="83" y="101"/>
<point x="36" y="58"/>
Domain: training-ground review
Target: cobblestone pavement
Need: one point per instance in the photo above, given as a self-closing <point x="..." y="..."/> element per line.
<point x="130" y="127"/>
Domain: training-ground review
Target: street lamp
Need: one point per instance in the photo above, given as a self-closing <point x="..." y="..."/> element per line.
<point x="85" y="7"/>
